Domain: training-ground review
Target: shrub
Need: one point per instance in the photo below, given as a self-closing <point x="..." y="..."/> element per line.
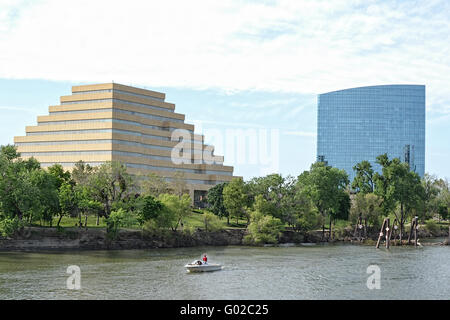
<point x="149" y="208"/>
<point x="212" y="222"/>
<point x="9" y="226"/>
<point x="340" y="231"/>
<point x="263" y="229"/>
<point x="309" y="220"/>
<point x="116" y="219"/>
<point x="432" y="227"/>
<point x="151" y="228"/>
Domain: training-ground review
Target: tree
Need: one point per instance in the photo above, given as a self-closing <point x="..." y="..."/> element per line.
<point x="111" y="185"/>
<point x="398" y="185"/>
<point x="263" y="228"/>
<point x="68" y="201"/>
<point x="431" y="192"/>
<point x="82" y="172"/>
<point x="286" y="203"/>
<point x="235" y="198"/>
<point x="215" y="201"/>
<point x="47" y="200"/>
<point x="114" y="222"/>
<point x="154" y="185"/>
<point x="443" y="211"/>
<point x="364" y="179"/>
<point x="325" y="186"/>
<point x="19" y="196"/>
<point x="368" y="207"/>
<point x="271" y="187"/>
<point x="87" y="205"/>
<point x="211" y="222"/>
<point x="149" y="208"/>
<point x="179" y="208"/>
<point x="60" y="175"/>
<point x="178" y="184"/>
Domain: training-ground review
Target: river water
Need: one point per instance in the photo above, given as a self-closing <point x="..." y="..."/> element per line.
<point x="294" y="272"/>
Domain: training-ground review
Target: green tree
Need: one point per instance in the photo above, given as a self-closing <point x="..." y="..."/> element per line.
<point x="263" y="228"/>
<point x="235" y="198"/>
<point x="179" y="208"/>
<point x="19" y="195"/>
<point x="215" y="201"/>
<point x="368" y="207"/>
<point x="443" y="211"/>
<point x="149" y="208"/>
<point x="47" y="199"/>
<point x="68" y="201"/>
<point x="211" y="222"/>
<point x="325" y="186"/>
<point x="82" y="173"/>
<point x="178" y="185"/>
<point x="271" y="187"/>
<point x="114" y="222"/>
<point x="111" y="185"/>
<point x="431" y="201"/>
<point x="284" y="200"/>
<point x="364" y="179"/>
<point x="60" y="175"/>
<point x="397" y="185"/>
<point x="154" y="185"/>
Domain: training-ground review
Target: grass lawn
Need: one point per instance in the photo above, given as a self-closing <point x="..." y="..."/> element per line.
<point x="195" y="220"/>
<point x="69" y="222"/>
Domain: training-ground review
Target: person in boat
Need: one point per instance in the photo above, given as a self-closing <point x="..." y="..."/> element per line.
<point x="205" y="259"/>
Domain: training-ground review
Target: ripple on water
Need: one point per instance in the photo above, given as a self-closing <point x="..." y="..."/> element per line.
<point x="292" y="272"/>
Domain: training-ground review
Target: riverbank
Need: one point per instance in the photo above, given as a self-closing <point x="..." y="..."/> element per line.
<point x="45" y="238"/>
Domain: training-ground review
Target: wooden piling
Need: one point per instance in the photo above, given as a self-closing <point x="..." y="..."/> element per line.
<point x="416" y="225"/>
<point x="381" y="234"/>
<point x="388" y="235"/>
<point x="365" y="228"/>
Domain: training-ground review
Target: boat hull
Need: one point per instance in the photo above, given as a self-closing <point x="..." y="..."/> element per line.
<point x="203" y="267"/>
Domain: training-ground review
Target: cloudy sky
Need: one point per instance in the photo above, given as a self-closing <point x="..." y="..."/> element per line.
<point x="237" y="65"/>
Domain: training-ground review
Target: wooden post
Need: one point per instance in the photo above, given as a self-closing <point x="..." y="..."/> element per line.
<point x="365" y="228"/>
<point x="388" y="234"/>
<point x="391" y="231"/>
<point x="449" y="232"/>
<point x="356" y="228"/>
<point x="396" y="227"/>
<point x="381" y="234"/>
<point x="416" y="225"/>
<point x="411" y="231"/>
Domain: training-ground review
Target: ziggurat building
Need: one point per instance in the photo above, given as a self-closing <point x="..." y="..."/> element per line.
<point x="114" y="122"/>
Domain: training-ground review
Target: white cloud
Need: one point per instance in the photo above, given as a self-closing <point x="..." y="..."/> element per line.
<point x="292" y="46"/>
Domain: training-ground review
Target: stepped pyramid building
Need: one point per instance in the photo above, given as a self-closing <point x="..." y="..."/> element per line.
<point x="114" y="122"/>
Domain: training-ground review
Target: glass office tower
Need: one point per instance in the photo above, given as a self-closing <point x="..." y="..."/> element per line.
<point x="361" y="123"/>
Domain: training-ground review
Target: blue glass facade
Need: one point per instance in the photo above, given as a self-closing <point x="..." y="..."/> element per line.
<point x="361" y="123"/>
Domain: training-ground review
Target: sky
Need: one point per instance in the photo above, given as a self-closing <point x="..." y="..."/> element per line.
<point x="235" y="68"/>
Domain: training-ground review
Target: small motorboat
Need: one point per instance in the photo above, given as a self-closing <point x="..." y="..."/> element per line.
<point x="199" y="266"/>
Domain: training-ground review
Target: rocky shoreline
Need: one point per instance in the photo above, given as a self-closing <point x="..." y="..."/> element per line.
<point x="41" y="239"/>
